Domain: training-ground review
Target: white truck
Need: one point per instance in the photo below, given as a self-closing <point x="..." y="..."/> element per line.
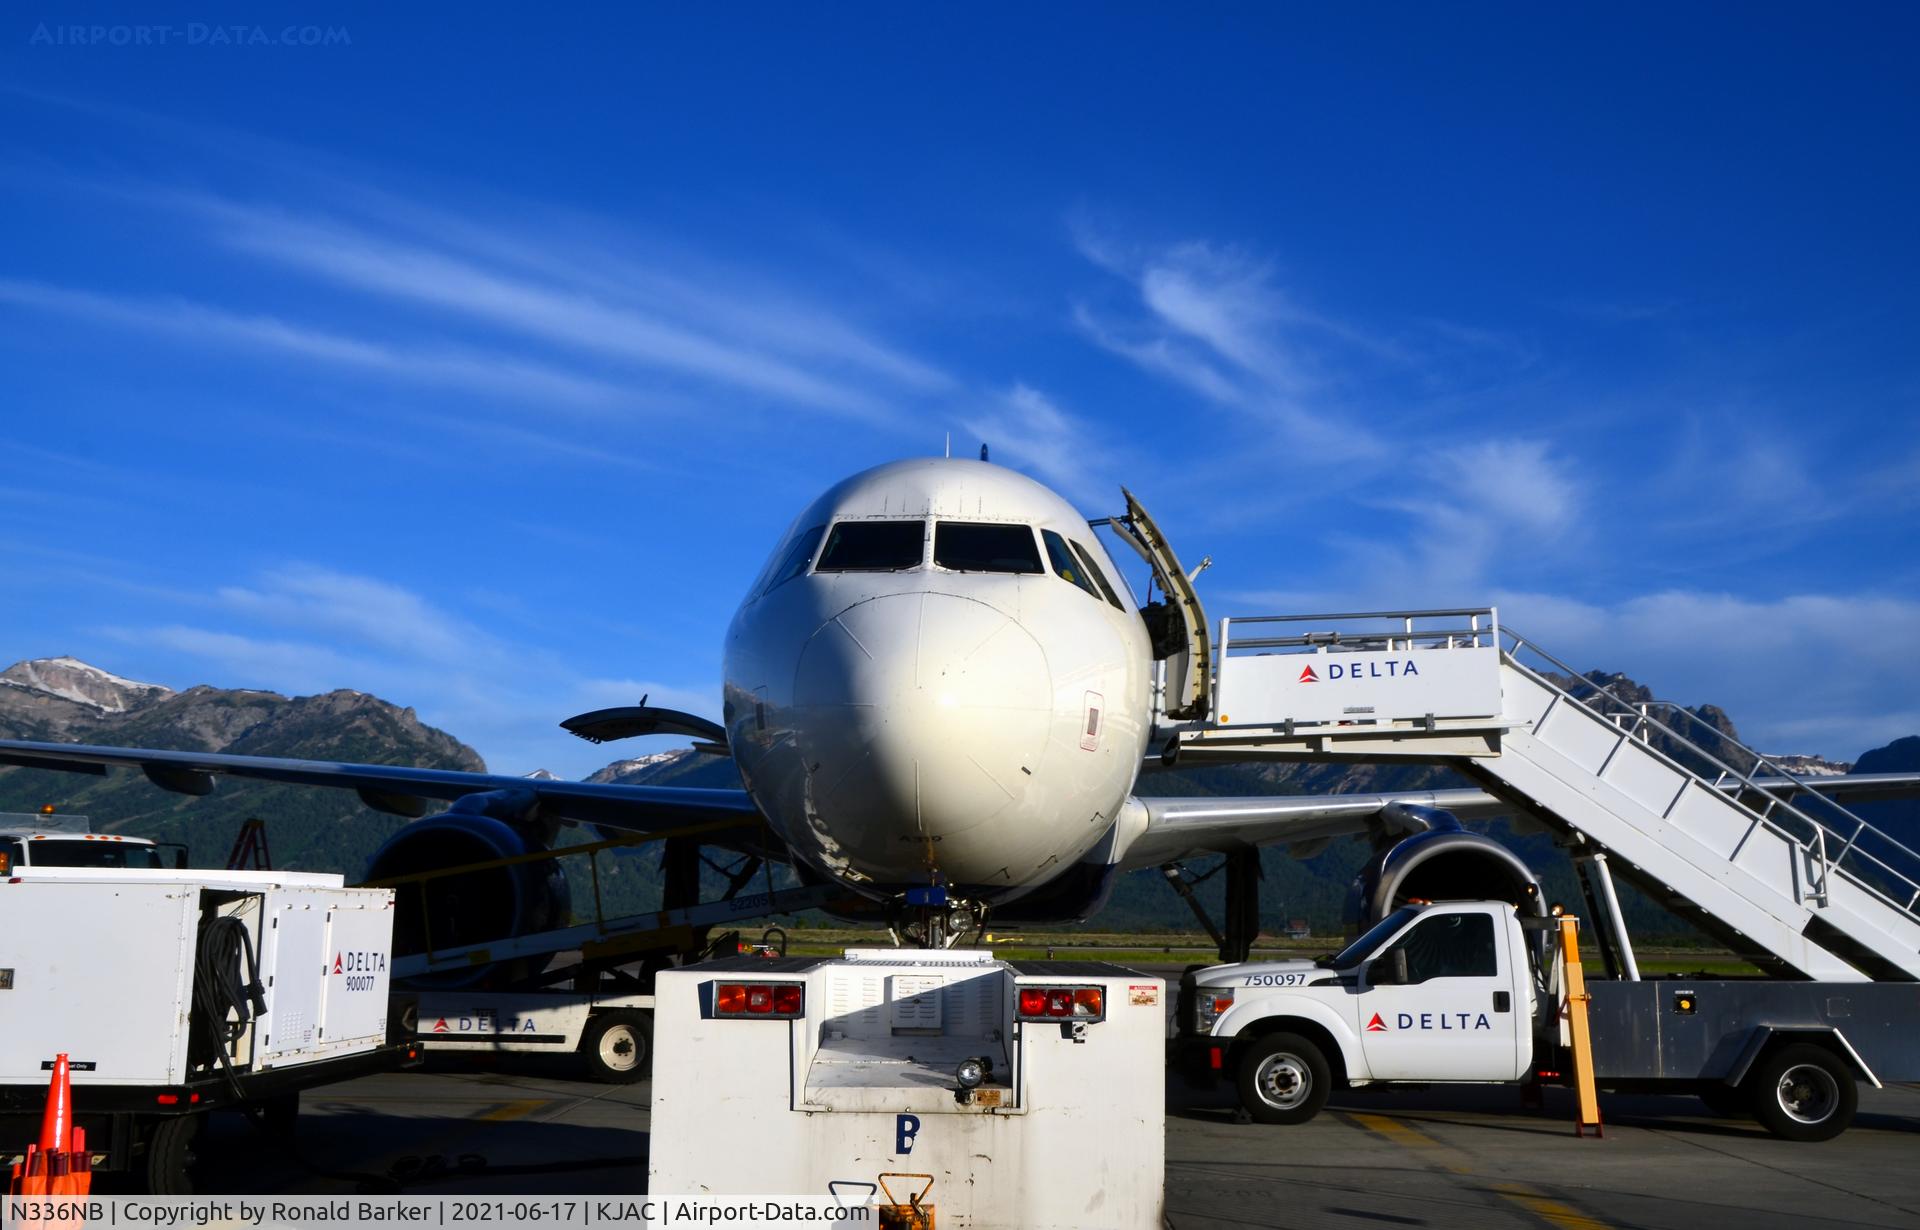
<point x="1465" y="992"/>
<point x="611" y="1033"/>
<point x="49" y="840"/>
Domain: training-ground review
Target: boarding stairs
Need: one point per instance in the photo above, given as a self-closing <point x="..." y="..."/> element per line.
<point x="1711" y="829"/>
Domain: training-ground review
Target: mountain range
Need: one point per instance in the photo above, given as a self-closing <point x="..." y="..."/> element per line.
<point x="64" y="699"/>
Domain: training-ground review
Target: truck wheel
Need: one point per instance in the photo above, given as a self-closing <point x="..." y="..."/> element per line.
<point x="1284" y="1079"/>
<point x="1804" y="1093"/>
<point x="618" y="1047"/>
<point x="170" y="1158"/>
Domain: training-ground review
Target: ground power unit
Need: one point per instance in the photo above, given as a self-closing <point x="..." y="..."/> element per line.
<point x="951" y="1088"/>
<point x="178" y="991"/>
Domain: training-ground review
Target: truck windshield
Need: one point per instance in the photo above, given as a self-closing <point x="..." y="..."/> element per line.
<point x="116" y="854"/>
<point x="1353" y="954"/>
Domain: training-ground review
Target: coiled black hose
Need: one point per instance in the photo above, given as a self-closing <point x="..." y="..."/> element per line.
<point x="227" y="994"/>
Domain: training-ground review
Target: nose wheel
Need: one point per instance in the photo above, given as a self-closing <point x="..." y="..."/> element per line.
<point x="937" y="926"/>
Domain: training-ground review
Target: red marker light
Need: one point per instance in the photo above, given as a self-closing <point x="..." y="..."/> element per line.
<point x="1063" y="1004"/>
<point x="761" y="999"/>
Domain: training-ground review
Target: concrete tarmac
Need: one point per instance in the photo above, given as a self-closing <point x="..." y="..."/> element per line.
<point x="1467" y="1157"/>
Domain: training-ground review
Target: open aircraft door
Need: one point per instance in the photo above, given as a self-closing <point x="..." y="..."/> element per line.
<point x="1178" y="625"/>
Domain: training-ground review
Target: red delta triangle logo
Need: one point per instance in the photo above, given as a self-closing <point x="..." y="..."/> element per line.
<point x="1376" y="1025"/>
<point x="336" y="964"/>
<point x="1307" y="675"/>
<point x="440" y="1026"/>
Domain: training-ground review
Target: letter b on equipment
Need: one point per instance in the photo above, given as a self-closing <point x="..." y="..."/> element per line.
<point x="905" y="1128"/>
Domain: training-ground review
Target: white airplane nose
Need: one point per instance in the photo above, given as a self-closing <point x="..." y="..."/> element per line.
<point x="923" y="705"/>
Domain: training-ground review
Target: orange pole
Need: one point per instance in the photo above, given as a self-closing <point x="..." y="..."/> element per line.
<point x="1586" y="1098"/>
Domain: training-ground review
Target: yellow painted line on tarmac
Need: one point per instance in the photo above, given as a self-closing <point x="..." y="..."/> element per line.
<point x="512" y="1110"/>
<point x="1396" y="1131"/>
<point x="1556" y="1213"/>
<point x="1547" y="1209"/>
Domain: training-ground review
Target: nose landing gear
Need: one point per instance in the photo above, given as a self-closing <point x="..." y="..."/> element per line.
<point x="928" y="918"/>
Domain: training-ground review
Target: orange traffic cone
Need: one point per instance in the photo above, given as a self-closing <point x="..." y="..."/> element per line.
<point x="49" y="1169"/>
<point x="56" y="1124"/>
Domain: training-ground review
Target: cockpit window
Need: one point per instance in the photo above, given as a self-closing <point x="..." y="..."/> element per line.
<point x="795" y="561"/>
<point x="1064" y="565"/>
<point x="1099" y="577"/>
<point x="873" y="546"/>
<point x="967" y="546"/>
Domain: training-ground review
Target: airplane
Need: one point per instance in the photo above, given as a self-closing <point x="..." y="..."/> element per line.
<point x="938" y="694"/>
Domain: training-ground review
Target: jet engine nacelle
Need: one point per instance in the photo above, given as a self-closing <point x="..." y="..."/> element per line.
<point x="1441" y="862"/>
<point x="473" y="907"/>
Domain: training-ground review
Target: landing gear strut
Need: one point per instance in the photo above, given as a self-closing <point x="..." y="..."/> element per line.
<point x="936" y="924"/>
<point x="1235" y="943"/>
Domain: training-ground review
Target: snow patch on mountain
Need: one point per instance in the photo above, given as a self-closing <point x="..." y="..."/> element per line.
<point x="1811" y="766"/>
<point x="620" y="770"/>
<point x="85" y="684"/>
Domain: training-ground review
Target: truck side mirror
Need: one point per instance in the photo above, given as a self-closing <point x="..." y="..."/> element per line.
<point x="1391" y="969"/>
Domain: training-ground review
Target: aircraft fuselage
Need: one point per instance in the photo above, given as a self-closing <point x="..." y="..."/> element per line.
<point x="929" y="683"/>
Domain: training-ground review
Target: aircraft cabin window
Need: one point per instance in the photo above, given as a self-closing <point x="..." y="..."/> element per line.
<point x="795" y="561"/>
<point x="1064" y="565"/>
<point x="873" y="546"/>
<point x="967" y="546"/>
<point x="1449" y="946"/>
<point x="1100" y="578"/>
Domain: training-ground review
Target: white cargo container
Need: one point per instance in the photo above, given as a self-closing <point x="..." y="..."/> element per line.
<point x="861" y="1078"/>
<point x="100" y="964"/>
<point x="102" y="967"/>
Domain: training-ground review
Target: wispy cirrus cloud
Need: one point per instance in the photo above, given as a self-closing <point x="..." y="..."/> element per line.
<point x="301" y="628"/>
<point x="557" y="314"/>
<point x="1215" y="320"/>
<point x="451" y="367"/>
<point x="1028" y="430"/>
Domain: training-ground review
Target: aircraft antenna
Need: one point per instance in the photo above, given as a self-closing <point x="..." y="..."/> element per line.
<point x="983" y="450"/>
<point x="949" y="446"/>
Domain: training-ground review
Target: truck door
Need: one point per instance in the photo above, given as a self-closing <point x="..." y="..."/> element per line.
<point x="1437" y="1003"/>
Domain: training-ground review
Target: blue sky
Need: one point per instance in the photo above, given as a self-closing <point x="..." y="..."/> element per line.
<point x="475" y="358"/>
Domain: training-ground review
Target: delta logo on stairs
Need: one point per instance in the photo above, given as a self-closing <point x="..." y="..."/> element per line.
<point x="1376" y="1025"/>
<point x="1383" y="668"/>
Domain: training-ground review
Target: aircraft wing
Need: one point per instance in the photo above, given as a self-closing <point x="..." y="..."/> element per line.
<point x="1171" y="829"/>
<point x="1854" y="787"/>
<point x="398" y="790"/>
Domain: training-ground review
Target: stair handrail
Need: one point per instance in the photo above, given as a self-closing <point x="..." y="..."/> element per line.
<point x="1820" y="829"/>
